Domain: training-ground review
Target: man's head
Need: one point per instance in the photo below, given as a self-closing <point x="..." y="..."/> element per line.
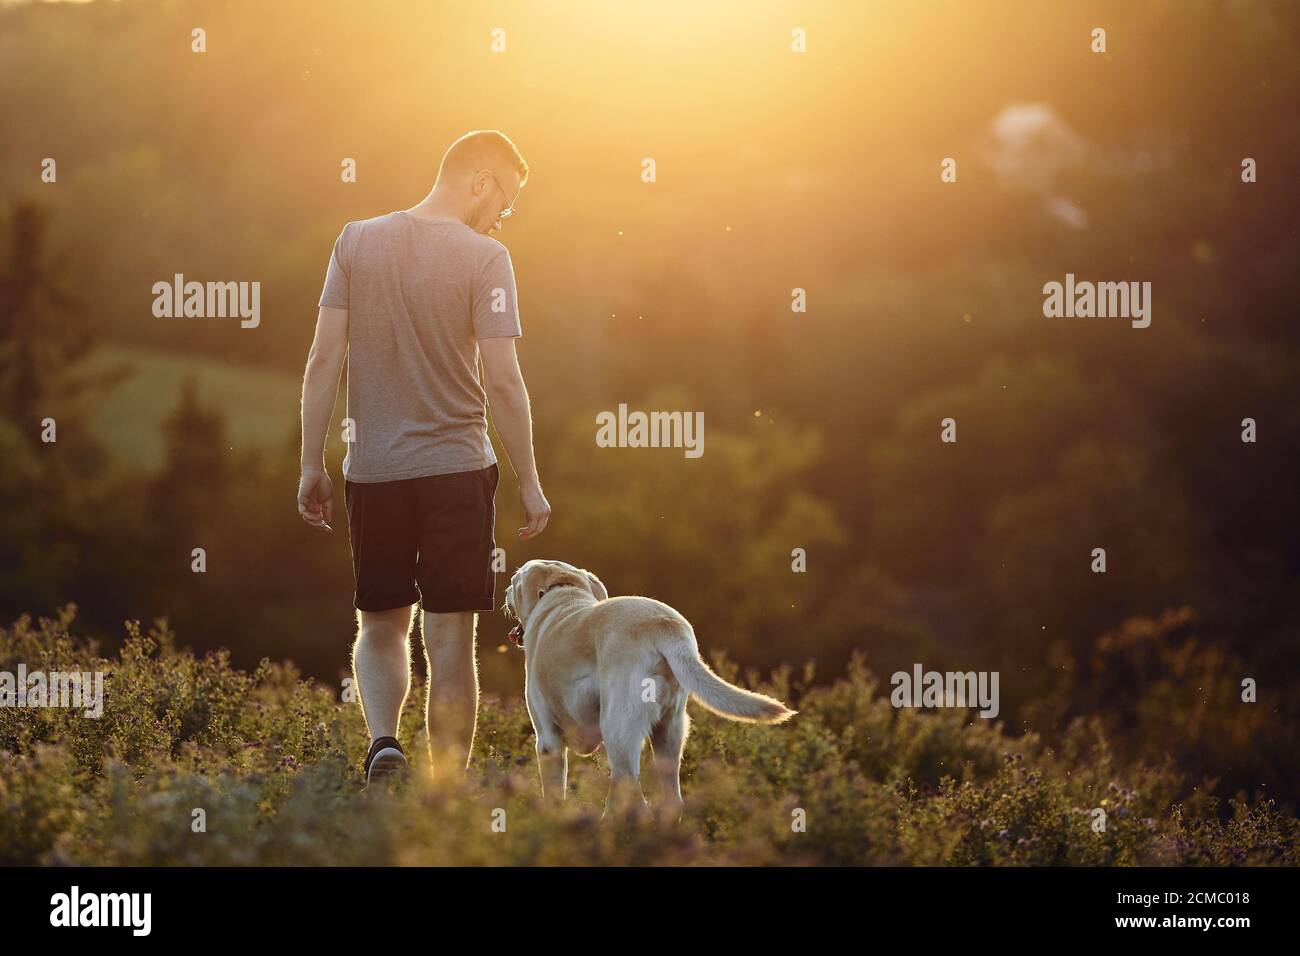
<point x="483" y="172"/>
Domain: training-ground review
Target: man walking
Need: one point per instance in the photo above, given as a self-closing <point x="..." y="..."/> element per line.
<point x="413" y="300"/>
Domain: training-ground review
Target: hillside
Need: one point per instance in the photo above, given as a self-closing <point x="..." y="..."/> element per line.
<point x="271" y="761"/>
<point x="257" y="405"/>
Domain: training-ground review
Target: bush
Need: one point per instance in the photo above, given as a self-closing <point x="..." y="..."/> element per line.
<point x="272" y="762"/>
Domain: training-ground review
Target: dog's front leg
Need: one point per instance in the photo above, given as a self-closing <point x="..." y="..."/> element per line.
<point x="552" y="754"/>
<point x="553" y="763"/>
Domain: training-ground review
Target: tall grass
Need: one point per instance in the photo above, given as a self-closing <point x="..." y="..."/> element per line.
<point x="272" y="762"/>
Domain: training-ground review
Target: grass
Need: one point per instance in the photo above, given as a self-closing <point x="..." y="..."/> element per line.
<point x="271" y="761"/>
<point x="258" y="405"/>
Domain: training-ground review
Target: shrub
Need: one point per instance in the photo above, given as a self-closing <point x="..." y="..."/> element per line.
<point x="272" y="761"/>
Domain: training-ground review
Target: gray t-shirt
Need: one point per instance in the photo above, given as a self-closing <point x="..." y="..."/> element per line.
<point x="420" y="293"/>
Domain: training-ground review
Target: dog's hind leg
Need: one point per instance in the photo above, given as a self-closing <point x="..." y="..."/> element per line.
<point x="623" y="747"/>
<point x="667" y="740"/>
<point x="553" y="763"/>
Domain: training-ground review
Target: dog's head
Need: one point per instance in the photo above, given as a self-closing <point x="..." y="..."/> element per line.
<point x="534" y="579"/>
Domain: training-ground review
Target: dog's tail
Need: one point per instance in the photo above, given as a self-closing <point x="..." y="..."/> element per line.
<point x="726" y="700"/>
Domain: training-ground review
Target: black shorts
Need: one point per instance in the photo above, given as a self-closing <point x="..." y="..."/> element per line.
<point x="424" y="539"/>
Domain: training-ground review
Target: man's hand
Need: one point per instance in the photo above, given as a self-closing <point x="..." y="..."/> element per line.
<point x="316" y="499"/>
<point x="510" y="410"/>
<point x="537" y="510"/>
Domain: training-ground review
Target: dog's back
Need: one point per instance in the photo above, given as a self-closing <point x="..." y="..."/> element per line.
<point x="641" y="641"/>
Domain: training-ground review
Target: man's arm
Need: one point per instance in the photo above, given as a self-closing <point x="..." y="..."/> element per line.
<point x="320" y="385"/>
<point x="512" y="415"/>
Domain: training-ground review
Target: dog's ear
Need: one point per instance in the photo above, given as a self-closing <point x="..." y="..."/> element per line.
<point x="525" y="585"/>
<point x="596" y="586"/>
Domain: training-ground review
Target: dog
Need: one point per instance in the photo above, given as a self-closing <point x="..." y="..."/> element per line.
<point x="613" y="671"/>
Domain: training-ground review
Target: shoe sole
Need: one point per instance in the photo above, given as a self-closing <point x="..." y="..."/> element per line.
<point x="388" y="763"/>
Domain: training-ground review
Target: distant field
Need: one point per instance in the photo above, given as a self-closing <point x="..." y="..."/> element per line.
<point x="260" y="406"/>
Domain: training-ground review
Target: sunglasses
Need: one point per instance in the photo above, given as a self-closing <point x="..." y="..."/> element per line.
<point x="510" y="203"/>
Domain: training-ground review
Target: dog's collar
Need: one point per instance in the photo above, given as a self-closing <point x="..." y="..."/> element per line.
<point x="559" y="584"/>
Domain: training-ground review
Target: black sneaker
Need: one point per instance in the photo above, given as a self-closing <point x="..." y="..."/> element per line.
<point x="385" y="760"/>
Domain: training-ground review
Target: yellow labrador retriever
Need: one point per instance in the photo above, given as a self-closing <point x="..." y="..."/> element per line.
<point x="613" y="671"/>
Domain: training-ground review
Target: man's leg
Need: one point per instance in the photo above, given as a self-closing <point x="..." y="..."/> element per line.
<point x="452" y="708"/>
<point x="381" y="662"/>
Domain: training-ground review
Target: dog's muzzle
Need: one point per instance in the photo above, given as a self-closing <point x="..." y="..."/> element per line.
<point x="516" y="636"/>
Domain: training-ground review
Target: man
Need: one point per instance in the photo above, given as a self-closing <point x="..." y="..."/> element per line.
<point x="414" y="299"/>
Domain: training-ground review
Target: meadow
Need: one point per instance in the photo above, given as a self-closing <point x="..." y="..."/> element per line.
<point x="197" y="763"/>
<point x="257" y="404"/>
<point x="801" y="276"/>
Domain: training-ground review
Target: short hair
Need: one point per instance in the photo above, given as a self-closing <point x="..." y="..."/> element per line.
<point x="481" y="149"/>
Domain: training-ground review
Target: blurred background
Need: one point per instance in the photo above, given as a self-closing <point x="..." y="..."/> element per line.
<point x="775" y="171"/>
